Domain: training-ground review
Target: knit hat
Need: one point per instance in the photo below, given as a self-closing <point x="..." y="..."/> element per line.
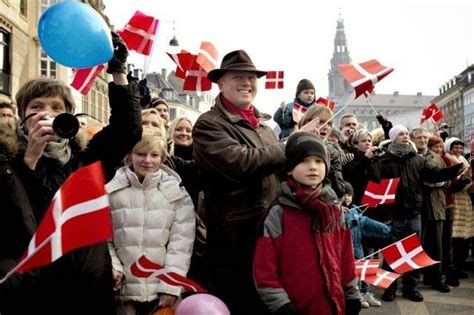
<point x="301" y="145"/>
<point x="335" y="133"/>
<point x="348" y="189"/>
<point x="451" y="142"/>
<point x="434" y="140"/>
<point x="155" y="101"/>
<point x="393" y="133"/>
<point x="304" y="84"/>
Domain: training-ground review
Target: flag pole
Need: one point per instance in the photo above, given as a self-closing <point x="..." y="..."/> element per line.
<point x="374" y="253"/>
<point x="370" y="103"/>
<point x="334" y="116"/>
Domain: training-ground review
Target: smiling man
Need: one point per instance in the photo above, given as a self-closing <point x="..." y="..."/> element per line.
<point x="237" y="155"/>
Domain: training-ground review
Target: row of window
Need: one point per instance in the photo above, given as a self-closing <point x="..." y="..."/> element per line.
<point x="371" y="112"/>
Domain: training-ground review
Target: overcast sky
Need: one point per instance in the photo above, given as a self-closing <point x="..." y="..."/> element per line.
<point x="426" y="41"/>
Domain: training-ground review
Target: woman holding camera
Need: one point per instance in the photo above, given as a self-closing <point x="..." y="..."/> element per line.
<point x="81" y="279"/>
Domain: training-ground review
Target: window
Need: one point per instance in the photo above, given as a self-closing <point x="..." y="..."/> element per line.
<point x="5" y="66"/>
<point x="23" y="7"/>
<point x="46" y="4"/>
<point x="47" y="66"/>
<point x="172" y="114"/>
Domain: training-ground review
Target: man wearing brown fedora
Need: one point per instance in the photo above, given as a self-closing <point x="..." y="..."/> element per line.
<point x="237" y="154"/>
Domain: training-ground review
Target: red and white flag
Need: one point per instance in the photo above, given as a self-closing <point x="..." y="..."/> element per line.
<point x="145" y="268"/>
<point x="382" y="193"/>
<point x="407" y="255"/>
<point x="207" y="57"/>
<point x="298" y="112"/>
<point x="382" y="278"/>
<point x="431" y="112"/>
<point x="184" y="60"/>
<point x="196" y="79"/>
<point x="84" y="78"/>
<point x="139" y="33"/>
<point x="364" y="76"/>
<point x="326" y="103"/>
<point x="366" y="268"/>
<point x="78" y="216"/>
<point x="274" y="79"/>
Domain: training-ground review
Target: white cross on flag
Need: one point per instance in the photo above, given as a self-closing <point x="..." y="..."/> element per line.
<point x="365" y="268"/>
<point x="145" y="268"/>
<point x="382" y="278"/>
<point x="78" y="216"/>
<point x="431" y="112"/>
<point x="196" y="79"/>
<point x="382" y="193"/>
<point x="84" y="78"/>
<point x="274" y="80"/>
<point x="407" y="255"/>
<point x="326" y="103"/>
<point x="364" y="76"/>
<point x="298" y="112"/>
<point x="139" y="33"/>
<point x="183" y="60"/>
<point x="207" y="57"/>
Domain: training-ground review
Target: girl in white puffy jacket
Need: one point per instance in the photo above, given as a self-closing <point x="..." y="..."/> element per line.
<point x="153" y="216"/>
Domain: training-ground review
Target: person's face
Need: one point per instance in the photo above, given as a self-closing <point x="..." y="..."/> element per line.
<point x="6" y="116"/>
<point x="437" y="148"/>
<point x="364" y="144"/>
<point x="333" y="139"/>
<point x="183" y="133"/>
<point x="151" y="121"/>
<point x="163" y="111"/>
<point x="457" y="149"/>
<point x="402" y="137"/>
<point x="349" y="122"/>
<point x="145" y="163"/>
<point x="421" y="139"/>
<point x="311" y="171"/>
<point x="347" y="199"/>
<point x="82" y="122"/>
<point x="53" y="105"/>
<point x="306" y="96"/>
<point x="239" y="87"/>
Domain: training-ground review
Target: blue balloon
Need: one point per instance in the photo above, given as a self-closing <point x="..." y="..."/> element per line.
<point x="75" y="35"/>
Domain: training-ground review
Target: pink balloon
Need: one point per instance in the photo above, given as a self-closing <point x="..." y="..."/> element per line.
<point x="202" y="304"/>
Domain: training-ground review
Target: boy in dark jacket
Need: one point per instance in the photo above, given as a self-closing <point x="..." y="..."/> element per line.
<point x="304" y="263"/>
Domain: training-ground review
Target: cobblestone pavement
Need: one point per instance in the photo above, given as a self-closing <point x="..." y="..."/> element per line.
<point x="459" y="301"/>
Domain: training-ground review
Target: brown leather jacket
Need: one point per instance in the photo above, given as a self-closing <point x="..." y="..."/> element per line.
<point x="237" y="165"/>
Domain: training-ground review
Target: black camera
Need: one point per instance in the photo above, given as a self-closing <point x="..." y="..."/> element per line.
<point x="65" y="125"/>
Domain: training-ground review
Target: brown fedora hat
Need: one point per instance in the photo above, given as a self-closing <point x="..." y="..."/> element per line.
<point x="237" y="60"/>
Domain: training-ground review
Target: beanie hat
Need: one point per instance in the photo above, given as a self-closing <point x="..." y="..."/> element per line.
<point x="335" y="133"/>
<point x="304" y="84"/>
<point x="393" y="133"/>
<point x="451" y="142"/>
<point x="301" y="145"/>
<point x="434" y="140"/>
<point x="348" y="189"/>
<point x="155" y="101"/>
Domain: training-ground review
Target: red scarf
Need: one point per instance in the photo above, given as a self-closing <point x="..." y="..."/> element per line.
<point x="247" y="114"/>
<point x="311" y="200"/>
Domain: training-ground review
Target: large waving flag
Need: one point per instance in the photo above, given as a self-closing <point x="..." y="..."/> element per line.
<point x="139" y="33"/>
<point x="382" y="193"/>
<point x="431" y="112"/>
<point x="274" y="80"/>
<point x="364" y="76"/>
<point x="78" y="216"/>
<point x="407" y="255"/>
<point x="145" y="268"/>
<point x="84" y="78"/>
<point x="207" y="57"/>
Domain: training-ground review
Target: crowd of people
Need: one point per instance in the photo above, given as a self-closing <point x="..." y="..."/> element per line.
<point x="269" y="225"/>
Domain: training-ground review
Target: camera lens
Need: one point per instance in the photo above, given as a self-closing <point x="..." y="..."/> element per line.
<point x="65" y="125"/>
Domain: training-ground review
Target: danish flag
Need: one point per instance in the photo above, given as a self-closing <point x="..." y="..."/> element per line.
<point x="407" y="255"/>
<point x="431" y="112"/>
<point x="196" y="79"/>
<point x="326" y="103"/>
<point x="139" y="33"/>
<point x="364" y="76"/>
<point x="184" y="60"/>
<point x="365" y="268"/>
<point x="382" y="278"/>
<point x="207" y="57"/>
<point x="298" y="112"/>
<point x="274" y="79"/>
<point x="75" y="218"/>
<point x="84" y="78"/>
<point x="145" y="268"/>
<point x="382" y="193"/>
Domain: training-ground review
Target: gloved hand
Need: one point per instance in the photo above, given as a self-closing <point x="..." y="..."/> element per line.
<point x="145" y="96"/>
<point x="287" y="309"/>
<point x="118" y="62"/>
<point x="352" y="307"/>
<point x="386" y="125"/>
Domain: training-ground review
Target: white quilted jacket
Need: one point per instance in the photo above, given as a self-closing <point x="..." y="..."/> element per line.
<point x="154" y="218"/>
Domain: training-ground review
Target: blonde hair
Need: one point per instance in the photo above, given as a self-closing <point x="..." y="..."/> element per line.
<point x="160" y="130"/>
<point x="172" y="129"/>
<point x="360" y="135"/>
<point x="151" y="141"/>
<point x="316" y="111"/>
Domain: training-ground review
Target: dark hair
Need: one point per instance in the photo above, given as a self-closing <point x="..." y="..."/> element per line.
<point x="43" y="87"/>
<point x="6" y="105"/>
<point x="155" y="101"/>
